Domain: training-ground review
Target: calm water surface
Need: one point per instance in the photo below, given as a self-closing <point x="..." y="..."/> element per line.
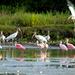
<point x="34" y="62"/>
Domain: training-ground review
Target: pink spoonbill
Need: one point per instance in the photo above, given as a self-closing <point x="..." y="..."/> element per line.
<point x="63" y="46"/>
<point x="69" y="45"/>
<point x="46" y="45"/>
<point x="19" y="46"/>
<point x="42" y="45"/>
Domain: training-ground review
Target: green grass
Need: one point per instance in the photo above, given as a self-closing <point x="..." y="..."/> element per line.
<point x="26" y="19"/>
<point x="41" y="22"/>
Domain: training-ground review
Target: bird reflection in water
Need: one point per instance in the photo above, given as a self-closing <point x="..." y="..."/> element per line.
<point x="1" y="57"/>
<point x="43" y="55"/>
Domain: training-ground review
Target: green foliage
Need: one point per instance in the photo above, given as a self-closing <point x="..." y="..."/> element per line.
<point x="27" y="19"/>
<point x="56" y="23"/>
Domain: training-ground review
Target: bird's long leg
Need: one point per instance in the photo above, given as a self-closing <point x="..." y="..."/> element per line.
<point x="12" y="41"/>
<point x="3" y="42"/>
<point x="7" y="42"/>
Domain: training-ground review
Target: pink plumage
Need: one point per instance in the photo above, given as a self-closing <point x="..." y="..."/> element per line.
<point x="69" y="45"/>
<point x="63" y="46"/>
<point x="42" y="45"/>
<point x="46" y="45"/>
<point x="19" y="46"/>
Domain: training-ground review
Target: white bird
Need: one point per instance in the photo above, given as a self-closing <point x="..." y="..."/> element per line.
<point x="13" y="36"/>
<point x="40" y="38"/>
<point x="2" y="37"/>
<point x="47" y="37"/>
<point x="72" y="10"/>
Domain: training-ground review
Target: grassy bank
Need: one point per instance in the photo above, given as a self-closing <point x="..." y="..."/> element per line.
<point x="57" y="23"/>
<point x="26" y="19"/>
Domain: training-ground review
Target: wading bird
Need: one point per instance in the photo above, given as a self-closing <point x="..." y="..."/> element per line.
<point x="63" y="46"/>
<point x="40" y="38"/>
<point x="2" y="37"/>
<point x="47" y="37"/>
<point x="19" y="46"/>
<point x="13" y="36"/>
<point x="69" y="45"/>
<point x="42" y="45"/>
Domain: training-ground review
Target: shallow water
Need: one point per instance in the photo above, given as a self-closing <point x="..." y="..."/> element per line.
<point x="11" y="66"/>
<point x="34" y="62"/>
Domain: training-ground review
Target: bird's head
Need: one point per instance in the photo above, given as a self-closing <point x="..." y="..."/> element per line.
<point x="1" y="32"/>
<point x="60" y="42"/>
<point x="69" y="3"/>
<point x="18" y="29"/>
<point x="67" y="40"/>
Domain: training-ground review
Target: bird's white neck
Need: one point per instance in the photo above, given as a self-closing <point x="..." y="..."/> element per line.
<point x="17" y="31"/>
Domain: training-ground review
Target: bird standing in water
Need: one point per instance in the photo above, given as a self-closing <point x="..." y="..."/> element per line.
<point x="42" y="45"/>
<point x="47" y="37"/>
<point x="2" y="37"/>
<point x="12" y="36"/>
<point x="63" y="46"/>
<point x="40" y="38"/>
<point x="69" y="45"/>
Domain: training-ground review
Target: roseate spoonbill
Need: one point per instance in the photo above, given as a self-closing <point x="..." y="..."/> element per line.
<point x="13" y="36"/>
<point x="2" y="37"/>
<point x="39" y="37"/>
<point x="19" y="46"/>
<point x="40" y="45"/>
<point x="72" y="10"/>
<point x="69" y="45"/>
<point x="63" y="46"/>
<point x="46" y="45"/>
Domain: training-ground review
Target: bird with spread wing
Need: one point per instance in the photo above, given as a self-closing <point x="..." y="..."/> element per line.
<point x="72" y="9"/>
